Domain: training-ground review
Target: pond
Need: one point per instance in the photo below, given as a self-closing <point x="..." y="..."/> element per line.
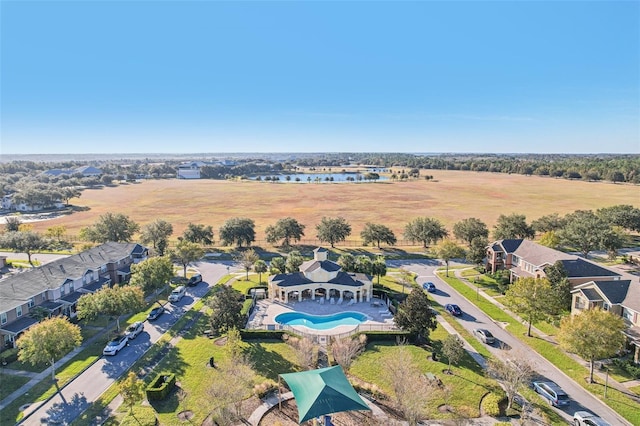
<point x="317" y="177"/>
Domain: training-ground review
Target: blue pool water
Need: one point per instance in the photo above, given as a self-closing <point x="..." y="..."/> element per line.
<point x="321" y="322"/>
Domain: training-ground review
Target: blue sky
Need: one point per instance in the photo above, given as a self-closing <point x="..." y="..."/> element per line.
<point x="429" y="76"/>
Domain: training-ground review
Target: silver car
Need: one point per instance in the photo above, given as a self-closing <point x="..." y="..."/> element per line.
<point x="484" y="335"/>
<point x="585" y="418"/>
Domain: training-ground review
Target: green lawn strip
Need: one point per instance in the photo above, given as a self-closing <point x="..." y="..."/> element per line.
<point x="243" y="285"/>
<point x="635" y="389"/>
<point x="616" y="400"/>
<point x="10" y="384"/>
<point x="467" y="385"/>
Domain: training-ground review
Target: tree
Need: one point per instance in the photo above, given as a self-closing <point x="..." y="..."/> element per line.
<point x="48" y="341"/>
<point x="447" y="250"/>
<point x="425" y="230"/>
<point x="278" y="265"/>
<point x="332" y="230"/>
<point x="247" y="259"/>
<point x="585" y="231"/>
<point x="345" y="350"/>
<point x="469" y="229"/>
<point x="452" y="349"/>
<point x="411" y="390"/>
<point x="115" y="227"/>
<point x="185" y="253"/>
<point x="260" y="266"/>
<point x="199" y="234"/>
<point x="514" y="375"/>
<point x="24" y="242"/>
<point x="294" y="260"/>
<point x="12" y="224"/>
<point x="227" y="310"/>
<point x="557" y="276"/>
<point x="379" y="267"/>
<point x="238" y="230"/>
<point x="532" y="298"/>
<point x="151" y="274"/>
<point x="306" y="352"/>
<point x="157" y="233"/>
<point x="415" y="314"/>
<point x="347" y="262"/>
<point x="56" y="232"/>
<point x="132" y="390"/>
<point x="548" y="223"/>
<point x="111" y="301"/>
<point x="592" y="334"/>
<point x="363" y="264"/>
<point x="550" y="239"/>
<point x="376" y="233"/>
<point x="513" y="226"/>
<point x="286" y="229"/>
<point x="623" y="215"/>
<point x="477" y="250"/>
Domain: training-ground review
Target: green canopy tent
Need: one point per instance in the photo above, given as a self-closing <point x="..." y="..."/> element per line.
<point x="323" y="391"/>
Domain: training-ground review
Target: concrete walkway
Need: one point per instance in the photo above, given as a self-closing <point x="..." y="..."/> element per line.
<point x="622" y="387"/>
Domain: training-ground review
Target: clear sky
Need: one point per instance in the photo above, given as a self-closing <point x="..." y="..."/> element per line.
<point x="323" y="76"/>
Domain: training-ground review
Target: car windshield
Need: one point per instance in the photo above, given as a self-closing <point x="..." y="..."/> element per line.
<point x="563" y="396"/>
<point x="487" y="333"/>
<point x="132" y="328"/>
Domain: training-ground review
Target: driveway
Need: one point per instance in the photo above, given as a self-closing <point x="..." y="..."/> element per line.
<point x="473" y="317"/>
<point x="77" y="395"/>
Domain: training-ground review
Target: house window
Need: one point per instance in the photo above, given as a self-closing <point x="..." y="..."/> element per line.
<point x="514" y="259"/>
<point x="19" y="311"/>
<point x="3" y="318"/>
<point x="71" y="289"/>
<point x="605" y="306"/>
<point x="31" y="303"/>
<point x="627" y="314"/>
<point x="62" y="293"/>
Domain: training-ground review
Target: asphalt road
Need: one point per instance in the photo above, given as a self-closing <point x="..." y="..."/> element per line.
<point x="473" y="317"/>
<point x="76" y="396"/>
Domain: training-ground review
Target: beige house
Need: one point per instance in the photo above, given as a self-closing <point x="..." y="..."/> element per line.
<point x="321" y="279"/>
<point x="620" y="297"/>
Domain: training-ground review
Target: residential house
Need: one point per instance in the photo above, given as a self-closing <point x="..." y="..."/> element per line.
<point x="620" y="297"/>
<point x="190" y="170"/>
<point x="85" y="171"/>
<point x="525" y="258"/>
<point x="55" y="287"/>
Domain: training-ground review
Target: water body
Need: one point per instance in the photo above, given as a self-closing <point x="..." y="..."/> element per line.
<point x="318" y="177"/>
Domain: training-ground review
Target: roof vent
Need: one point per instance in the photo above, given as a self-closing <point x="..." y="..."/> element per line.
<point x="62" y="269"/>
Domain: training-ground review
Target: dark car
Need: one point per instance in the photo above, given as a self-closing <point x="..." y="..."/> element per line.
<point x="453" y="309"/>
<point x="484" y="335"/>
<point x="194" y="280"/>
<point x="155" y="313"/>
<point x="429" y="286"/>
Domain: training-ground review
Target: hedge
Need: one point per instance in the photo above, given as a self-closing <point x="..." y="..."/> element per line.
<point x="261" y="334"/>
<point x="161" y="386"/>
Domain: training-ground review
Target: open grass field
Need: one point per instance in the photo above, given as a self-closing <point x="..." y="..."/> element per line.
<point x="450" y="197"/>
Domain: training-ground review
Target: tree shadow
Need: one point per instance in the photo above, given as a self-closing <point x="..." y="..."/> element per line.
<point x="66" y="411"/>
<point x="271" y="363"/>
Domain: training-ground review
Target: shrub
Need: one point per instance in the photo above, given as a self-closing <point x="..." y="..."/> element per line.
<point x="261" y="334"/>
<point x="491" y="404"/>
<point x="628" y="366"/>
<point x="262" y="389"/>
<point x="159" y="388"/>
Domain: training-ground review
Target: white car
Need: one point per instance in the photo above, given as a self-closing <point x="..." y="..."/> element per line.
<point x="585" y="418"/>
<point x="134" y="329"/>
<point x="115" y="345"/>
<point x="177" y="294"/>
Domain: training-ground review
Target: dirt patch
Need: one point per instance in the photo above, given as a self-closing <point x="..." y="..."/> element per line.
<point x="185" y="416"/>
<point x="221" y="341"/>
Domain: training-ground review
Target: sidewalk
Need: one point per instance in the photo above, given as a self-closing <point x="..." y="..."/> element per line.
<point x="622" y="387"/>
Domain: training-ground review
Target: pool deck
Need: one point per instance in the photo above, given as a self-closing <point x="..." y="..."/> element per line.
<point x="265" y="312"/>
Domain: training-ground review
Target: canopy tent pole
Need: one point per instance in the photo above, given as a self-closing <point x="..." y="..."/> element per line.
<point x="279" y="394"/>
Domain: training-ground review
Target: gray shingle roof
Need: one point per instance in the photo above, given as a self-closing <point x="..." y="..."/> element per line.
<point x="18" y="289"/>
<point x="313" y="265"/>
<point x="615" y="291"/>
<point x="591" y="294"/>
<point x="579" y="267"/>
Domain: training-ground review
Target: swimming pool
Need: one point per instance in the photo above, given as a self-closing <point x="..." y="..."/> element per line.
<point x="321" y="322"/>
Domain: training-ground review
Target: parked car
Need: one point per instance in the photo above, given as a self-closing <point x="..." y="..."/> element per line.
<point x="115" y="345"/>
<point x="194" y="280"/>
<point x="155" y="313"/>
<point x="585" y="418"/>
<point x="429" y="286"/>
<point x="177" y="294"/>
<point x="134" y="329"/>
<point x="552" y="393"/>
<point x="484" y="335"/>
<point x="453" y="309"/>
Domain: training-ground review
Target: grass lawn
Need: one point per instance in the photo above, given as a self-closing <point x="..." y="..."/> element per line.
<point x="10" y="384"/>
<point x="467" y="384"/>
<point x="620" y="403"/>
